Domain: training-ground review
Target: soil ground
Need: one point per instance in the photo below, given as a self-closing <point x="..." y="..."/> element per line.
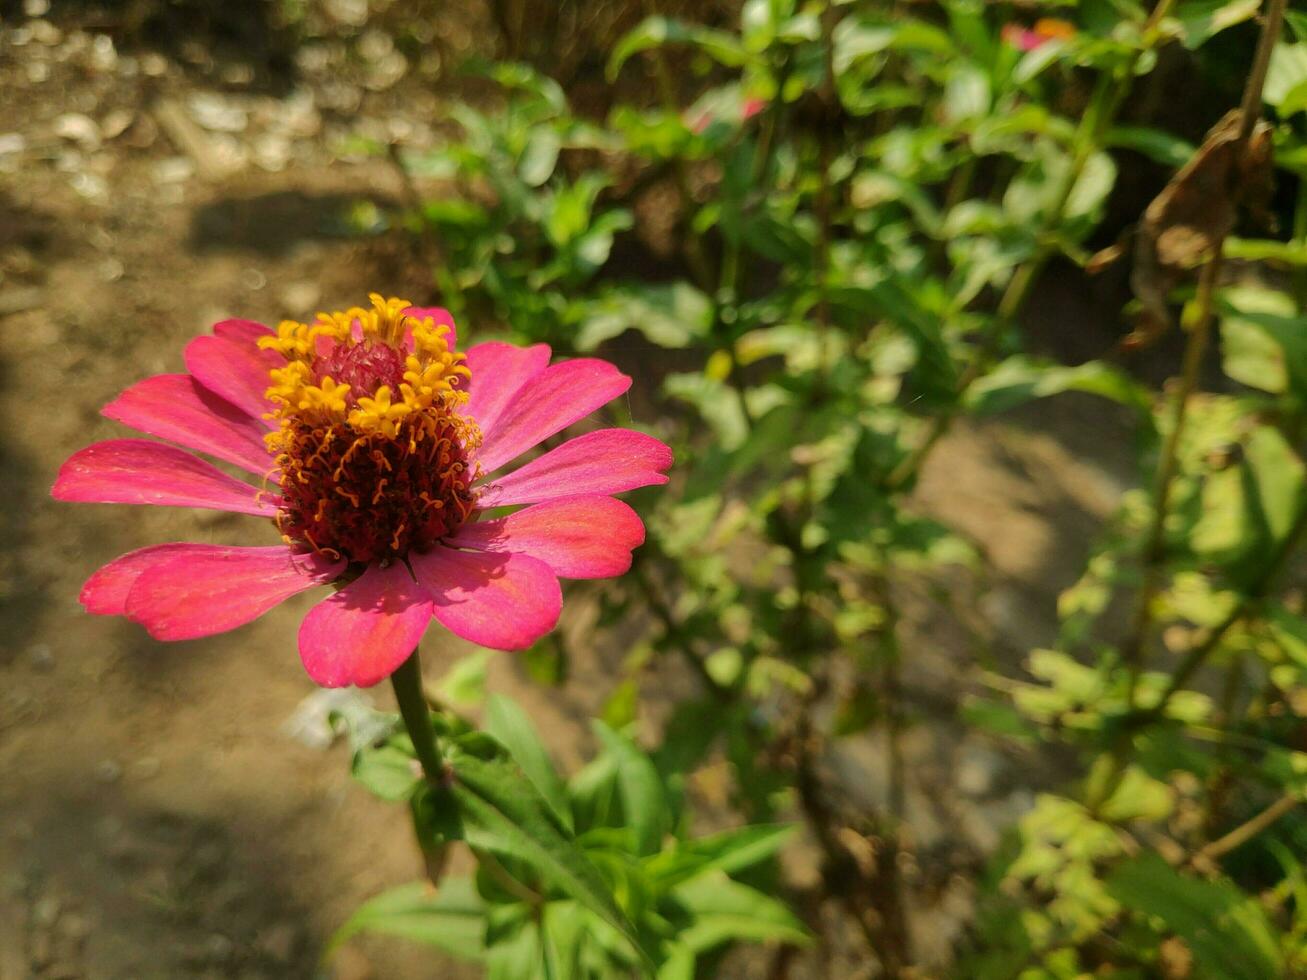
<point x="157" y="820"/>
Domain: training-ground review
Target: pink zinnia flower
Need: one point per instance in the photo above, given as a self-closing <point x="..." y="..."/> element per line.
<point x="380" y="449"/>
<point x="1046" y="29"/>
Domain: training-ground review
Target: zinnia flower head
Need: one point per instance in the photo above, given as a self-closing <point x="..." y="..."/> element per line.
<point x="378" y="447"/>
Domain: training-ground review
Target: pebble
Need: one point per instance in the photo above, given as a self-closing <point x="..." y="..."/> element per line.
<point x="36" y="8"/>
<point x="154" y="64"/>
<point x="174" y="170"/>
<point x="91" y="187"/>
<point x="111" y="270"/>
<point x="78" y="128"/>
<point x="45" y="913"/>
<point x="43" y="32"/>
<point x="41" y="656"/>
<point x="115" y="122"/>
<point x="108" y="771"/>
<point x="146" y="767"/>
<point x="300" y="295"/>
<point x="216" y="113"/>
<point x="278" y="942"/>
<point x="12" y="143"/>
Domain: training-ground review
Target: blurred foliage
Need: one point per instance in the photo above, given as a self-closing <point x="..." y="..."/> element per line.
<point x="835" y="213"/>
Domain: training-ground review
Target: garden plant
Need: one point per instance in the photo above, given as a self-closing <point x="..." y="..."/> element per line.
<point x="818" y="225"/>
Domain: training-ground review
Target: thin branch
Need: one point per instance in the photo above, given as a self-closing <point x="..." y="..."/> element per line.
<point x="1246" y="831"/>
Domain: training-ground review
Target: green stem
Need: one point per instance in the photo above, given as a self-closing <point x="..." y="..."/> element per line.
<point x="407" y="682"/>
<point x="1300" y="239"/>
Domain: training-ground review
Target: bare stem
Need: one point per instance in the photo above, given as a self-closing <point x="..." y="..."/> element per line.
<point x="1199" y="339"/>
<point x="407" y="682"/>
<point x="1247" y="831"/>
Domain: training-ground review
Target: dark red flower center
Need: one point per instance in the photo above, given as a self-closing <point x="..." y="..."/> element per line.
<point x="373" y="498"/>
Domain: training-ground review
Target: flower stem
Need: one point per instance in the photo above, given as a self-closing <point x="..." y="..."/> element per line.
<point x="407" y="681"/>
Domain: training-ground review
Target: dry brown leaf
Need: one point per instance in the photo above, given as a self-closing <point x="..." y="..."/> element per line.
<point x="1184" y="226"/>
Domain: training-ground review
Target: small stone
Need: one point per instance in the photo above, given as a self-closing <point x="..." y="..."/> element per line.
<point x="301" y="296"/>
<point x="78" y="128"/>
<point x="104" y="56"/>
<point x="37" y="72"/>
<point x="278" y="942"/>
<point x="218" y="948"/>
<point x="91" y="187"/>
<point x="45" y="913"/>
<point x="41" y="657"/>
<point x="271" y="152"/>
<point x="111" y="270"/>
<point x="375" y="44"/>
<point x="108" y="771"/>
<point x="115" y="123"/>
<point x="154" y="64"/>
<point x="12" y="143"/>
<point x="977" y="770"/>
<point x="75" y="927"/>
<point x="353" y="13"/>
<point x="36" y="8"/>
<point x="216" y="113"/>
<point x="174" y="170"/>
<point x="43" y="32"/>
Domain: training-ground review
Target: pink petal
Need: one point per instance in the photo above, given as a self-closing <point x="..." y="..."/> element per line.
<point x="105" y="592"/>
<point x="601" y="462"/>
<point x="234" y="371"/>
<point x="137" y="471"/>
<point x="502" y="601"/>
<point x="207" y="589"/>
<point x="178" y="408"/>
<point x="498" y="372"/>
<point x="548" y="403"/>
<point x="364" y="632"/>
<point x="242" y="331"/>
<point x="441" y="316"/>
<point x="580" y="537"/>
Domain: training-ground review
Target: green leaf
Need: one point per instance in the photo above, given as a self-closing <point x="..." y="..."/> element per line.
<point x="1137" y="796"/>
<point x="1200" y="20"/>
<point x="502" y="813"/>
<point x="1286" y="79"/>
<point x="1156" y="144"/>
<point x="513" y="947"/>
<point x="1263" y="340"/>
<point x="1226" y="930"/>
<point x="729" y="851"/>
<point x="655" y="31"/>
<point x="1266" y="250"/>
<point x="668" y="314"/>
<point x="511" y="727"/>
<point x="451" y="918"/>
<point x="540" y="156"/>
<point x="718" y="403"/>
<point x="644" y="800"/>
<point x="1020" y="379"/>
<point x="464" y="684"/>
<point x="723" y="911"/>
<point x="387" y="771"/>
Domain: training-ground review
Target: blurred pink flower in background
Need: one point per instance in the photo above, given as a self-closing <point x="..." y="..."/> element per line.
<point x="1046" y="29"/>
